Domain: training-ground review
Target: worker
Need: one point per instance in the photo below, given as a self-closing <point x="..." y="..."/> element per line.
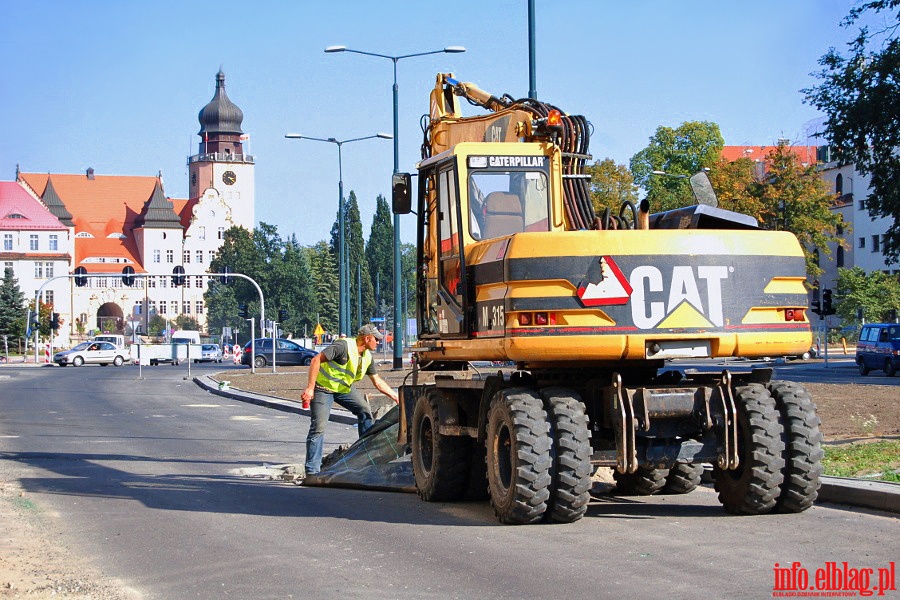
<point x="332" y="375"/>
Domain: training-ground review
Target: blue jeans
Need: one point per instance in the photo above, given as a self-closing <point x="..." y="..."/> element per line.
<point x="319" y="409"/>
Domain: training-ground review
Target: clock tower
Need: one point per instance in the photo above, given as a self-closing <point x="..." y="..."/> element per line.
<point x="221" y="167"/>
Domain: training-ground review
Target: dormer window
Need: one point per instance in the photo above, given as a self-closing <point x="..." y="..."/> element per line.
<point x="116" y="236"/>
<point x="15" y="216"/>
<point x="83" y="234"/>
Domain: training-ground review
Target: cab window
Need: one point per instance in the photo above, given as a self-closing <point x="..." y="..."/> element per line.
<point x="506" y="202"/>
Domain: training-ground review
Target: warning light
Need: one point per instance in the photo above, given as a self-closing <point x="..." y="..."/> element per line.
<point x="554" y="118"/>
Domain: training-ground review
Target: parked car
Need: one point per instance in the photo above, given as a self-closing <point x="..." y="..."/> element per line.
<point x="210" y="353"/>
<point x="100" y="353"/>
<point x="286" y="353"/>
<point x="878" y="348"/>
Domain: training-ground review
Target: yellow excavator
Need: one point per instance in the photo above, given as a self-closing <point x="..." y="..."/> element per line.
<point x="515" y="268"/>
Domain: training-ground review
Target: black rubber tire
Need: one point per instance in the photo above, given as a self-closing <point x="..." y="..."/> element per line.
<point x="571" y="451"/>
<point x="643" y="482"/>
<point x="306" y="361"/>
<point x="118" y="361"/>
<point x="863" y="369"/>
<point x="260" y="362"/>
<point x="753" y="488"/>
<point x="683" y="479"/>
<point x="77" y="361"/>
<point x="889" y="369"/>
<point x="518" y="456"/>
<point x="803" y="451"/>
<point x="440" y="463"/>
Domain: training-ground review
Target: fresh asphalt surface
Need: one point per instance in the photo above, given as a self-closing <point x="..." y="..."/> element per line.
<point x="151" y="480"/>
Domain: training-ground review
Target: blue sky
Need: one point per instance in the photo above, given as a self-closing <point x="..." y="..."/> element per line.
<point x="117" y="85"/>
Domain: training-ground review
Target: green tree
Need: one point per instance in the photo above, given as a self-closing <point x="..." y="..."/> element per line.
<point x="859" y="95"/>
<point x="610" y="186"/>
<point x="12" y="306"/>
<point x="325" y="282"/>
<point x="734" y="183"/>
<point x="876" y="293"/>
<point x="380" y="253"/>
<point x="186" y="323"/>
<point x="794" y="198"/>
<point x="692" y="146"/>
<point x="358" y="265"/>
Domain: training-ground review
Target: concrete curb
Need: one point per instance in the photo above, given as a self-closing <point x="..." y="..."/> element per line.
<point x="862" y="493"/>
<point x="206" y="382"/>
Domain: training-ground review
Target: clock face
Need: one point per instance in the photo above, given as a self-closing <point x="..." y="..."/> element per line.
<point x="229" y="177"/>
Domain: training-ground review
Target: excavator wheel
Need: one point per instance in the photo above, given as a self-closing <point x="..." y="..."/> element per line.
<point x="803" y="452"/>
<point x="440" y="463"/>
<point x="643" y="482"/>
<point x="518" y="456"/>
<point x="683" y="479"/>
<point x="753" y="488"/>
<point x="571" y="451"/>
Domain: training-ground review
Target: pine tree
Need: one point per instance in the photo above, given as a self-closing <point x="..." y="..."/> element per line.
<point x="12" y="306"/>
<point x="325" y="283"/>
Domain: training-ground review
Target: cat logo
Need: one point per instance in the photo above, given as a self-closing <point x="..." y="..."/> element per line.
<point x="690" y="297"/>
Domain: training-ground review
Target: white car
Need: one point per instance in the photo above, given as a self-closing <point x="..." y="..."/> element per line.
<point x="210" y="353"/>
<point x="101" y="353"/>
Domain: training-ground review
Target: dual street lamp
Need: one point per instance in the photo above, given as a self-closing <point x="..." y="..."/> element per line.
<point x="398" y="314"/>
<point x="343" y="255"/>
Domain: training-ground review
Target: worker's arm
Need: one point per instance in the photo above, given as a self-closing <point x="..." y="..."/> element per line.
<point x="314" y="365"/>
<point x="382" y="386"/>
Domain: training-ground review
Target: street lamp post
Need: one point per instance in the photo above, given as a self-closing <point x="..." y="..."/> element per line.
<point x="398" y="339"/>
<point x="343" y="256"/>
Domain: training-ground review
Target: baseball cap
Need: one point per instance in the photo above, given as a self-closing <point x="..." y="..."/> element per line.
<point x="370" y="330"/>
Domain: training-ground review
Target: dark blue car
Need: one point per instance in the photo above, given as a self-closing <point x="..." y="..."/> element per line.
<point x="286" y="353"/>
<point x="879" y="348"/>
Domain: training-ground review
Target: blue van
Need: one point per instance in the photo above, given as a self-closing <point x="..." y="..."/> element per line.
<point x="879" y="348"/>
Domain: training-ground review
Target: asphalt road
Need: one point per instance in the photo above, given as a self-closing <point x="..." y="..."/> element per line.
<point x="151" y="480"/>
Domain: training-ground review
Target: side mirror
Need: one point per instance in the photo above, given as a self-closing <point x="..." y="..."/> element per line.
<point x="400" y="197"/>
<point x="703" y="190"/>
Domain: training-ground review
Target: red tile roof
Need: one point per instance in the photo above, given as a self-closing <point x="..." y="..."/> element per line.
<point x="15" y="200"/>
<point x="100" y="206"/>
<point x="805" y="154"/>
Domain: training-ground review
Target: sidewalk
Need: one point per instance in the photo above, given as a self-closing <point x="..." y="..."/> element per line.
<point x="877" y="495"/>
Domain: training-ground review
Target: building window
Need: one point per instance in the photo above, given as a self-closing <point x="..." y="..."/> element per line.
<point x="162" y="307"/>
<point x="201" y="234"/>
<point x="212" y="255"/>
<point x="48" y="296"/>
<point x="186" y="307"/>
<point x="151" y="282"/>
<point x="151" y="307"/>
<point x="839" y="256"/>
<point x="839" y="185"/>
<point x="48" y="269"/>
<point x="221" y="233"/>
<point x="199" y="307"/>
<point x="862" y="242"/>
<point x="200" y="256"/>
<point x="157" y="256"/>
<point x="33" y="242"/>
<point x="875" y="243"/>
<point x="170" y="256"/>
<point x="38" y="270"/>
<point x="101" y="282"/>
<point x="7" y="241"/>
<point x="54" y="242"/>
<point x="137" y="310"/>
<point x="862" y="205"/>
<point x="187" y="282"/>
<point x="7" y="265"/>
<point x="163" y="281"/>
<point x="174" y="306"/>
<point x="186" y="257"/>
<point x="198" y="283"/>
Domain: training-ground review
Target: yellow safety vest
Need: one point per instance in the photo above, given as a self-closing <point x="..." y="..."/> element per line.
<point x="338" y="378"/>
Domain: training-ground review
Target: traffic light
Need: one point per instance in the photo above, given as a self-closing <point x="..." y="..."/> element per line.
<point x="54" y="321"/>
<point x="242" y="311"/>
<point x="178" y="278"/>
<point x="827" y="302"/>
<point x="816" y="307"/>
<point x="35" y="321"/>
<point x="225" y="279"/>
<point x="80" y="277"/>
<point x="128" y="276"/>
<point x="282" y="315"/>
